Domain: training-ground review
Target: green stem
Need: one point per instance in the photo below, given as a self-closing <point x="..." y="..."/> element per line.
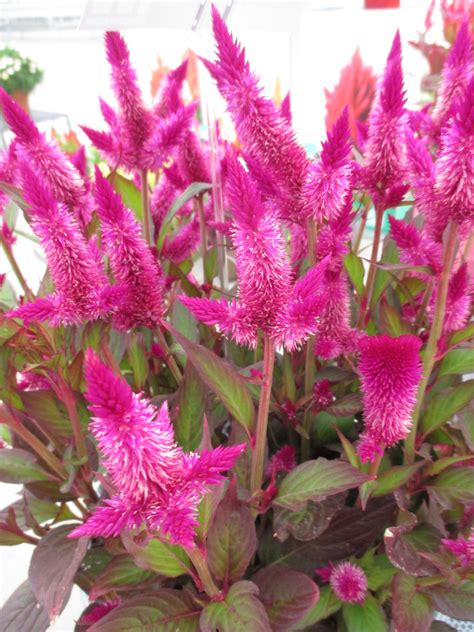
<point x="203" y="235"/>
<point x="258" y="458"/>
<point x="435" y="334"/>
<point x="170" y="361"/>
<point x="69" y="401"/>
<point x="200" y="564"/>
<point x="369" y="288"/>
<point x="16" y="269"/>
<point x="147" y="231"/>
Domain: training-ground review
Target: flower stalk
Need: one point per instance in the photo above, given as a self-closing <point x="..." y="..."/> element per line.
<point x="369" y="288"/>
<point x="147" y="230"/>
<point x="258" y="459"/>
<point x="199" y="561"/>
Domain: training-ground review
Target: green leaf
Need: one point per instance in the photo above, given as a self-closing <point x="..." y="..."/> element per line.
<point x="194" y="189"/>
<point x="121" y="573"/>
<point x="453" y="485"/>
<point x="391" y="320"/>
<point x="443" y="406"/>
<point x="166" y="610"/>
<point x="22" y="613"/>
<point x="210" y="264"/>
<point x="307" y="523"/>
<point x="19" y="466"/>
<point x="454" y="601"/>
<point x="184" y="321"/>
<point x="379" y="572"/>
<point x="169" y="560"/>
<point x="53" y="567"/>
<point x="355" y="270"/>
<point x="461" y="335"/>
<point x="457" y="361"/>
<point x="131" y="196"/>
<point x="191" y="398"/>
<point x="240" y="611"/>
<point x="232" y="539"/>
<point x="382" y="277"/>
<point x="44" y="408"/>
<point x="138" y="359"/>
<point x="316" y="480"/>
<point x="326" y="605"/>
<point x="365" y="617"/>
<point x="207" y="509"/>
<point x="411" y="610"/>
<point x="222" y="379"/>
<point x="393" y="478"/>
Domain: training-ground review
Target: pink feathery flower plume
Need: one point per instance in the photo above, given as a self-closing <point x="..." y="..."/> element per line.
<point x="268" y="300"/>
<point x="265" y="134"/>
<point x="183" y="243"/>
<point x="384" y="151"/>
<point x="454" y="169"/>
<point x="169" y="95"/>
<point x="462" y="548"/>
<point x="131" y="260"/>
<point x="82" y="291"/>
<point x="455" y="74"/>
<point x="330" y="178"/>
<point x="390" y="370"/>
<point x="415" y="248"/>
<point x="285" y="109"/>
<point x="157" y="484"/>
<point x="45" y="157"/>
<point x="347" y="580"/>
<point x="458" y="301"/>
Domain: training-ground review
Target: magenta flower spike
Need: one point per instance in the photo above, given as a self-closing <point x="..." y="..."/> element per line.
<point x="349" y="582"/>
<point x="462" y="549"/>
<point x="456" y="73"/>
<point x="285" y="109"/>
<point x="264" y="133"/>
<point x="44" y="157"/>
<point x="169" y="95"/>
<point x="415" y="248"/>
<point x="132" y="263"/>
<point x="390" y="371"/>
<point x="330" y="178"/>
<point x="157" y="484"/>
<point x="458" y="301"/>
<point x="454" y="169"/>
<point x="384" y="151"/>
<point x="82" y="290"/>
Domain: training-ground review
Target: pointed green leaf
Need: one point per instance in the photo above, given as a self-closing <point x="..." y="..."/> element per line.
<point x="365" y="617"/>
<point x="138" y="359"/>
<point x="316" y="480"/>
<point x="240" y="611"/>
<point x="326" y="605"/>
<point x="19" y="466"/>
<point x="453" y="485"/>
<point x="393" y="478"/>
<point x="411" y="610"/>
<point x="355" y="270"/>
<point x="121" y="573"/>
<point x="169" y="560"/>
<point x="457" y="361"/>
<point x="191" y="398"/>
<point x="445" y="405"/>
<point x="131" y="196"/>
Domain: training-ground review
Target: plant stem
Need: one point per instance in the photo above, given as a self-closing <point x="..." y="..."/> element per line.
<point x="147" y="231"/>
<point x="16" y="269"/>
<point x="435" y="334"/>
<point x="200" y="564"/>
<point x="170" y="361"/>
<point x="69" y="401"/>
<point x="309" y="371"/>
<point x="369" y="288"/>
<point x="258" y="458"/>
<point x="203" y="234"/>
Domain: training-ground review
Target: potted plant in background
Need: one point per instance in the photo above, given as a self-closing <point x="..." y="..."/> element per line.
<point x="19" y="75"/>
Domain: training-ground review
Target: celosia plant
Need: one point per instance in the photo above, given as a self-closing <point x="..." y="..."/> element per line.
<point x="289" y="450"/>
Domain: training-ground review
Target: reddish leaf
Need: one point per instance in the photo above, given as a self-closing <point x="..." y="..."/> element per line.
<point x="22" y="613"/>
<point x="454" y="601"/>
<point x="240" y="611"/>
<point x="308" y="523"/>
<point x="402" y="546"/>
<point x="411" y="610"/>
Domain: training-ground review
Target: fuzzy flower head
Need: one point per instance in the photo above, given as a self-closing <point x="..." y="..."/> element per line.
<point x="390" y="371"/>
<point x="462" y="549"/>
<point x="349" y="583"/>
<point x="131" y="260"/>
<point x="157" y="483"/>
<point x="330" y="178"/>
<point x="384" y="151"/>
<point x="265" y="135"/>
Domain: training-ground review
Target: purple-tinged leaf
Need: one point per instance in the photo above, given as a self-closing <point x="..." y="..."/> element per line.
<point x="365" y="617"/>
<point x="348" y="405"/>
<point x="443" y="406"/>
<point x="232" y="539"/>
<point x="165" y="559"/>
<point x="287" y="596"/>
<point x="453" y="485"/>
<point x="403" y="546"/>
<point x="167" y="610"/>
<point x="120" y="574"/>
<point x="307" y="523"/>
<point x="393" y="478"/>
<point x="350" y="532"/>
<point x="316" y="480"/>
<point x="190" y="402"/>
<point x="467" y="333"/>
<point x="326" y="605"/>
<point x="53" y="567"/>
<point x="207" y="509"/>
<point x="22" y="613"/>
<point x="454" y="601"/>
<point x="240" y="611"/>
<point x="411" y="610"/>
<point x="19" y="466"/>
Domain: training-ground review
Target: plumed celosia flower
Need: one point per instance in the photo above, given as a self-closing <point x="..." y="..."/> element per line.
<point x="330" y="178"/>
<point x="384" y="151"/>
<point x="461" y="548"/>
<point x="284" y="460"/>
<point x="285" y="109"/>
<point x="268" y="300"/>
<point x="8" y="172"/>
<point x="131" y="260"/>
<point x="455" y="74"/>
<point x="183" y="243"/>
<point x="390" y="370"/>
<point x="349" y="582"/>
<point x="44" y="157"/>
<point x="191" y="160"/>
<point x="169" y="95"/>
<point x="458" y="301"/>
<point x="334" y="334"/>
<point x="157" y="483"/>
<point x="265" y="135"/>
<point x="322" y="394"/>
<point x="82" y="290"/>
<point x="415" y="248"/>
<point x="454" y="169"/>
